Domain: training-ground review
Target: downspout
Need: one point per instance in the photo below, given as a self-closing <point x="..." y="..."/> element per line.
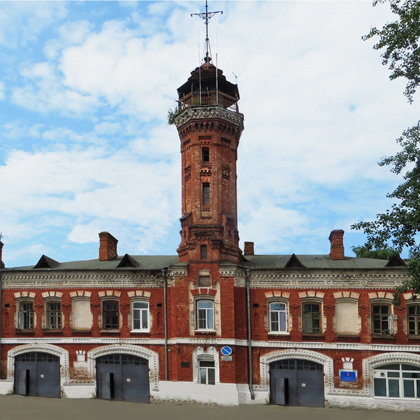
<point x="248" y="315"/>
<point x="165" y="316"/>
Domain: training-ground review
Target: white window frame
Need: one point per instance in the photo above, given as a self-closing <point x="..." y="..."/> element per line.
<point x="205" y="314"/>
<point x="144" y="312"/>
<point x="20" y="315"/>
<point x="205" y="370"/>
<point x="415" y="319"/>
<point x="282" y="329"/>
<point x="57" y="324"/>
<point x="389" y="375"/>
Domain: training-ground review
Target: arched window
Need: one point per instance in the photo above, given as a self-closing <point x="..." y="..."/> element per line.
<point x="397" y="381"/>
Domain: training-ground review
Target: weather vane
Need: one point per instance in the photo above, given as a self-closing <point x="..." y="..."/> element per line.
<point x="206" y="17"/>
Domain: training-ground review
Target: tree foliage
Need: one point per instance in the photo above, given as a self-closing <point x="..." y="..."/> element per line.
<point x="367" y="251"/>
<point x="400" y="41"/>
<point x="400" y="226"/>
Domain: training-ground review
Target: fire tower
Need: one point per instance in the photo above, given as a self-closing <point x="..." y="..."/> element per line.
<point x="209" y="126"/>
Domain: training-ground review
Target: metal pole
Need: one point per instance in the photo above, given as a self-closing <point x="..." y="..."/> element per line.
<point x="248" y="313"/>
<point x="165" y="315"/>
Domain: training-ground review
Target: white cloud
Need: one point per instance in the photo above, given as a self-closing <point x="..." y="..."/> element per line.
<point x="2" y="91"/>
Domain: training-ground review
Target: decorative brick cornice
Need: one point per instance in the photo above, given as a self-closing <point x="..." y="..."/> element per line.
<point x="209" y="112"/>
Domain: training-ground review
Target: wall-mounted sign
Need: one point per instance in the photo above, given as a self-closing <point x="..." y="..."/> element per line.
<point x="348" y="375"/>
<point x="226" y="351"/>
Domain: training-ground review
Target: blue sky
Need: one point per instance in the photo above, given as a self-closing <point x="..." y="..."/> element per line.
<point x="84" y="145"/>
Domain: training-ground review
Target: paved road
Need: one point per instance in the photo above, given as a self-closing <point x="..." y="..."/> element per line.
<point x="15" y="407"/>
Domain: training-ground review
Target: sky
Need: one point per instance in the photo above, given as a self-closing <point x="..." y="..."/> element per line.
<point x="85" y="89"/>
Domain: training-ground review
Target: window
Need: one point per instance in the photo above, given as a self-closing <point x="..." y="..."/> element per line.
<point x="207" y="372"/>
<point x="205" y="315"/>
<point x="110" y="314"/>
<point x="82" y="318"/>
<point x="140" y="316"/>
<point x="205" y="154"/>
<point x="26" y="316"/>
<point x="311" y="318"/>
<point x="346" y="317"/>
<point x="397" y="381"/>
<point x="413" y="319"/>
<point x="54" y="315"/>
<point x="380" y="319"/>
<point x="206" y="193"/>
<point x="278" y="317"/>
<point x="203" y="252"/>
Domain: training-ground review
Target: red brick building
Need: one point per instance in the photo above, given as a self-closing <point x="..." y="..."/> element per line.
<point x="213" y="323"/>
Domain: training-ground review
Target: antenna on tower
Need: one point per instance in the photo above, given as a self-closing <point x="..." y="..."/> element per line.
<point x="206" y="17"/>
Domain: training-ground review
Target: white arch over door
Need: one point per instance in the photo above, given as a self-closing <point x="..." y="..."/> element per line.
<point x="311" y="356"/>
<point x="151" y="356"/>
<point x="43" y="348"/>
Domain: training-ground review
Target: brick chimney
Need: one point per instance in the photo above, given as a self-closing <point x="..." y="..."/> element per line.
<point x="107" y="247"/>
<point x="1" y="255"/>
<point x="248" y="248"/>
<point x="337" y="247"/>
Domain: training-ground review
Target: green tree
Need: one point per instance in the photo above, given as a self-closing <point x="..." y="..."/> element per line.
<point x="400" y="41"/>
<point x="367" y="251"/>
<point x="400" y="225"/>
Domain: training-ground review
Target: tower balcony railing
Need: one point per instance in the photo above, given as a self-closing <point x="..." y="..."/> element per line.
<point x="206" y="98"/>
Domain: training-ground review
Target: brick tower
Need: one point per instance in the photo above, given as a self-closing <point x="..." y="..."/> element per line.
<point x="209" y="126"/>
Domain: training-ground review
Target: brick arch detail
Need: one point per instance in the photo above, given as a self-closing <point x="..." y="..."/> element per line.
<point x="151" y="356"/>
<point x="370" y="363"/>
<point x="43" y="348"/>
<point x="312" y="356"/>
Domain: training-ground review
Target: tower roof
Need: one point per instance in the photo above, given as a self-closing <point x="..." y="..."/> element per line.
<point x="203" y="79"/>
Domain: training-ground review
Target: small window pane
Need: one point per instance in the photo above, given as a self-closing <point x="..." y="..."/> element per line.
<point x="380" y="387"/>
<point x="408" y="389"/>
<point x="394" y="387"/>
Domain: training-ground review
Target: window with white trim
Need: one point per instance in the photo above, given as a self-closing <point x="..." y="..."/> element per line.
<point x="207" y="372"/>
<point x="53" y="310"/>
<point x="381" y="319"/>
<point x="413" y="314"/>
<point x="25" y="319"/>
<point x="311" y="318"/>
<point x="397" y="381"/>
<point x="205" y="314"/>
<point x="278" y="317"/>
<point x="110" y="314"/>
<point x="140" y="315"/>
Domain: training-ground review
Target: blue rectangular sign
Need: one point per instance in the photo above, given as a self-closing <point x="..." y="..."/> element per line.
<point x="348" y="375"/>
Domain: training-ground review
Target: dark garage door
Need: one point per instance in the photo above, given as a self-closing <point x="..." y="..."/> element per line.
<point x="122" y="377"/>
<point x="297" y="382"/>
<point x="37" y="374"/>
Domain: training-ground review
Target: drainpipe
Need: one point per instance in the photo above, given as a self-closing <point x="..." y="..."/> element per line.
<point x="165" y="316"/>
<point x="248" y="315"/>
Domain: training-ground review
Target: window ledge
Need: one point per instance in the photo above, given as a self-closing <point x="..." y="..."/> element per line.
<point x="205" y="331"/>
<point x="312" y="336"/>
<point x="110" y="332"/>
<point x="26" y="332"/>
<point x="140" y="332"/>
<point x="52" y="331"/>
<point x="279" y="333"/>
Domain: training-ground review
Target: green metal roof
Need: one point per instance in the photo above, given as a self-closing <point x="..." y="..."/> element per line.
<point x="258" y="262"/>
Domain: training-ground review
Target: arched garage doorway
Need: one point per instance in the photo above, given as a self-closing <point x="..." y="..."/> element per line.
<point x="297" y="382"/>
<point x="122" y="377"/>
<point x="37" y="374"/>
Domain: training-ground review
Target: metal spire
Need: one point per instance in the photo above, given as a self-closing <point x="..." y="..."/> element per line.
<point x="206" y="17"/>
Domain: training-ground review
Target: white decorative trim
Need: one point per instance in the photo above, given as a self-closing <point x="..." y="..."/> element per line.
<point x="151" y="356"/>
<point x="370" y="363"/>
<point x="209" y="111"/>
<point x="44" y="348"/>
<point x="312" y="356"/>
